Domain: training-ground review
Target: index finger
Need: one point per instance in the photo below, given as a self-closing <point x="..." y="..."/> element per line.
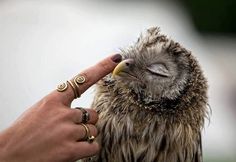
<point x="92" y="75"/>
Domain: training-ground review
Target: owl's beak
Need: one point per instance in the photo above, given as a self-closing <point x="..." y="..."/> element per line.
<point x="123" y="66"/>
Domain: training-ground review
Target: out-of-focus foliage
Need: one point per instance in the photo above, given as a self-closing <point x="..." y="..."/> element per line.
<point x="213" y="16"/>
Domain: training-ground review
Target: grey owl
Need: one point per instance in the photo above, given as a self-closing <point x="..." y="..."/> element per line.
<point x="152" y="108"/>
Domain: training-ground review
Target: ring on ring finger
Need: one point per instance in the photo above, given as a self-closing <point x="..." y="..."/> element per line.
<point x="88" y="137"/>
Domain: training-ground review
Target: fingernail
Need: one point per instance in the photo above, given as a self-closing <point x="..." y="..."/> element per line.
<point x="116" y="58"/>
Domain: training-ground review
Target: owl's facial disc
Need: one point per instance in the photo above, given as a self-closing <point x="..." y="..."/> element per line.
<point x="150" y="76"/>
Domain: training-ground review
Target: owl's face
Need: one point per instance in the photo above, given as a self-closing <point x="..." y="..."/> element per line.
<point x="152" y="74"/>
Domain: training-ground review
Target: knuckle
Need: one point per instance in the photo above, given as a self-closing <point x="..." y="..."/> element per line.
<point x="94" y="115"/>
<point x="77" y="116"/>
<point x="62" y="115"/>
<point x="92" y="111"/>
<point x="71" y="152"/>
<point x="68" y="130"/>
<point x="94" y="130"/>
<point x="69" y="113"/>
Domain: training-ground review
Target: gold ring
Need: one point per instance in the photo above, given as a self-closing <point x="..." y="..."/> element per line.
<point x="79" y="79"/>
<point x="88" y="136"/>
<point x="75" y="84"/>
<point x="87" y="131"/>
<point x="90" y="139"/>
<point x="62" y="87"/>
<point x="77" y="88"/>
<point x="74" y="89"/>
<point x="85" y="115"/>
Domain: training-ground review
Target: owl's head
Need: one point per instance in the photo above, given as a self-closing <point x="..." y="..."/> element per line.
<point x="157" y="69"/>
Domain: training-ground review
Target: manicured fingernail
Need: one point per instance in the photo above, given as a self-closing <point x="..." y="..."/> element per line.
<point x="116" y="58"/>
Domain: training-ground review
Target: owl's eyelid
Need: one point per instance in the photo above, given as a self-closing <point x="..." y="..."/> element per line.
<point x="159" y="69"/>
<point x="159" y="63"/>
<point x="159" y="74"/>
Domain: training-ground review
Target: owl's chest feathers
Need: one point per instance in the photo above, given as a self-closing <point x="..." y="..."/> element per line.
<point x="128" y="133"/>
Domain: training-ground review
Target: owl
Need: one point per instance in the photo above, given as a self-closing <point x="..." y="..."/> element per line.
<point x="153" y="106"/>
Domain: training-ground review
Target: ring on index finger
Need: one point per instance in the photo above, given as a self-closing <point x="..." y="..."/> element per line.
<point x="78" y="79"/>
<point x="74" y="83"/>
<point x="85" y="115"/>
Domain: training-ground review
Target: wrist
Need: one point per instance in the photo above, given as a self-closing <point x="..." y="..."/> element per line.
<point x="3" y="144"/>
<point x="5" y="154"/>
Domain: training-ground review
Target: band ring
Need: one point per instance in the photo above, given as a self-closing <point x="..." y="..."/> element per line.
<point x="88" y="136"/>
<point x="85" y="115"/>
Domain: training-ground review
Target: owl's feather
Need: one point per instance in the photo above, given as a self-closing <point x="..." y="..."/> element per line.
<point x="145" y="116"/>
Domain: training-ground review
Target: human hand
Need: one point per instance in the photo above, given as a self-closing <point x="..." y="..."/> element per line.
<point x="50" y="130"/>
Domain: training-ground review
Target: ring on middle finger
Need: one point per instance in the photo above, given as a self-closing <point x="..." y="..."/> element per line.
<point x="85" y="115"/>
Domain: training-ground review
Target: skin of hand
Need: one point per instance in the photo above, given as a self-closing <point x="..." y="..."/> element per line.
<point x="50" y="130"/>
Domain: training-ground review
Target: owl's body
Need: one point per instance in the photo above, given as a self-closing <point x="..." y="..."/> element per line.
<point x="154" y="109"/>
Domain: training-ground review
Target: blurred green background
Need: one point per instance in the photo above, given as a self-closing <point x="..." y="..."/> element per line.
<point x="213" y="16"/>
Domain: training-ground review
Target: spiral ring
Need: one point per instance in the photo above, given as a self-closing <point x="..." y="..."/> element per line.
<point x="75" y="85"/>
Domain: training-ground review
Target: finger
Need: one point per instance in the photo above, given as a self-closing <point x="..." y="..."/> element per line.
<point x="97" y="72"/>
<point x="85" y="149"/>
<point x="92" y="75"/>
<point x="81" y="134"/>
<point x="77" y="116"/>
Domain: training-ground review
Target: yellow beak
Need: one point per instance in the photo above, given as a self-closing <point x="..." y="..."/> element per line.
<point x="123" y="66"/>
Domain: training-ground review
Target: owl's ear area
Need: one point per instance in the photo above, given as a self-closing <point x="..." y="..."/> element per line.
<point x="159" y="69"/>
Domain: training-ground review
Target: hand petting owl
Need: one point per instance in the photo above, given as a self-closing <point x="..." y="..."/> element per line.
<point x="152" y="107"/>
